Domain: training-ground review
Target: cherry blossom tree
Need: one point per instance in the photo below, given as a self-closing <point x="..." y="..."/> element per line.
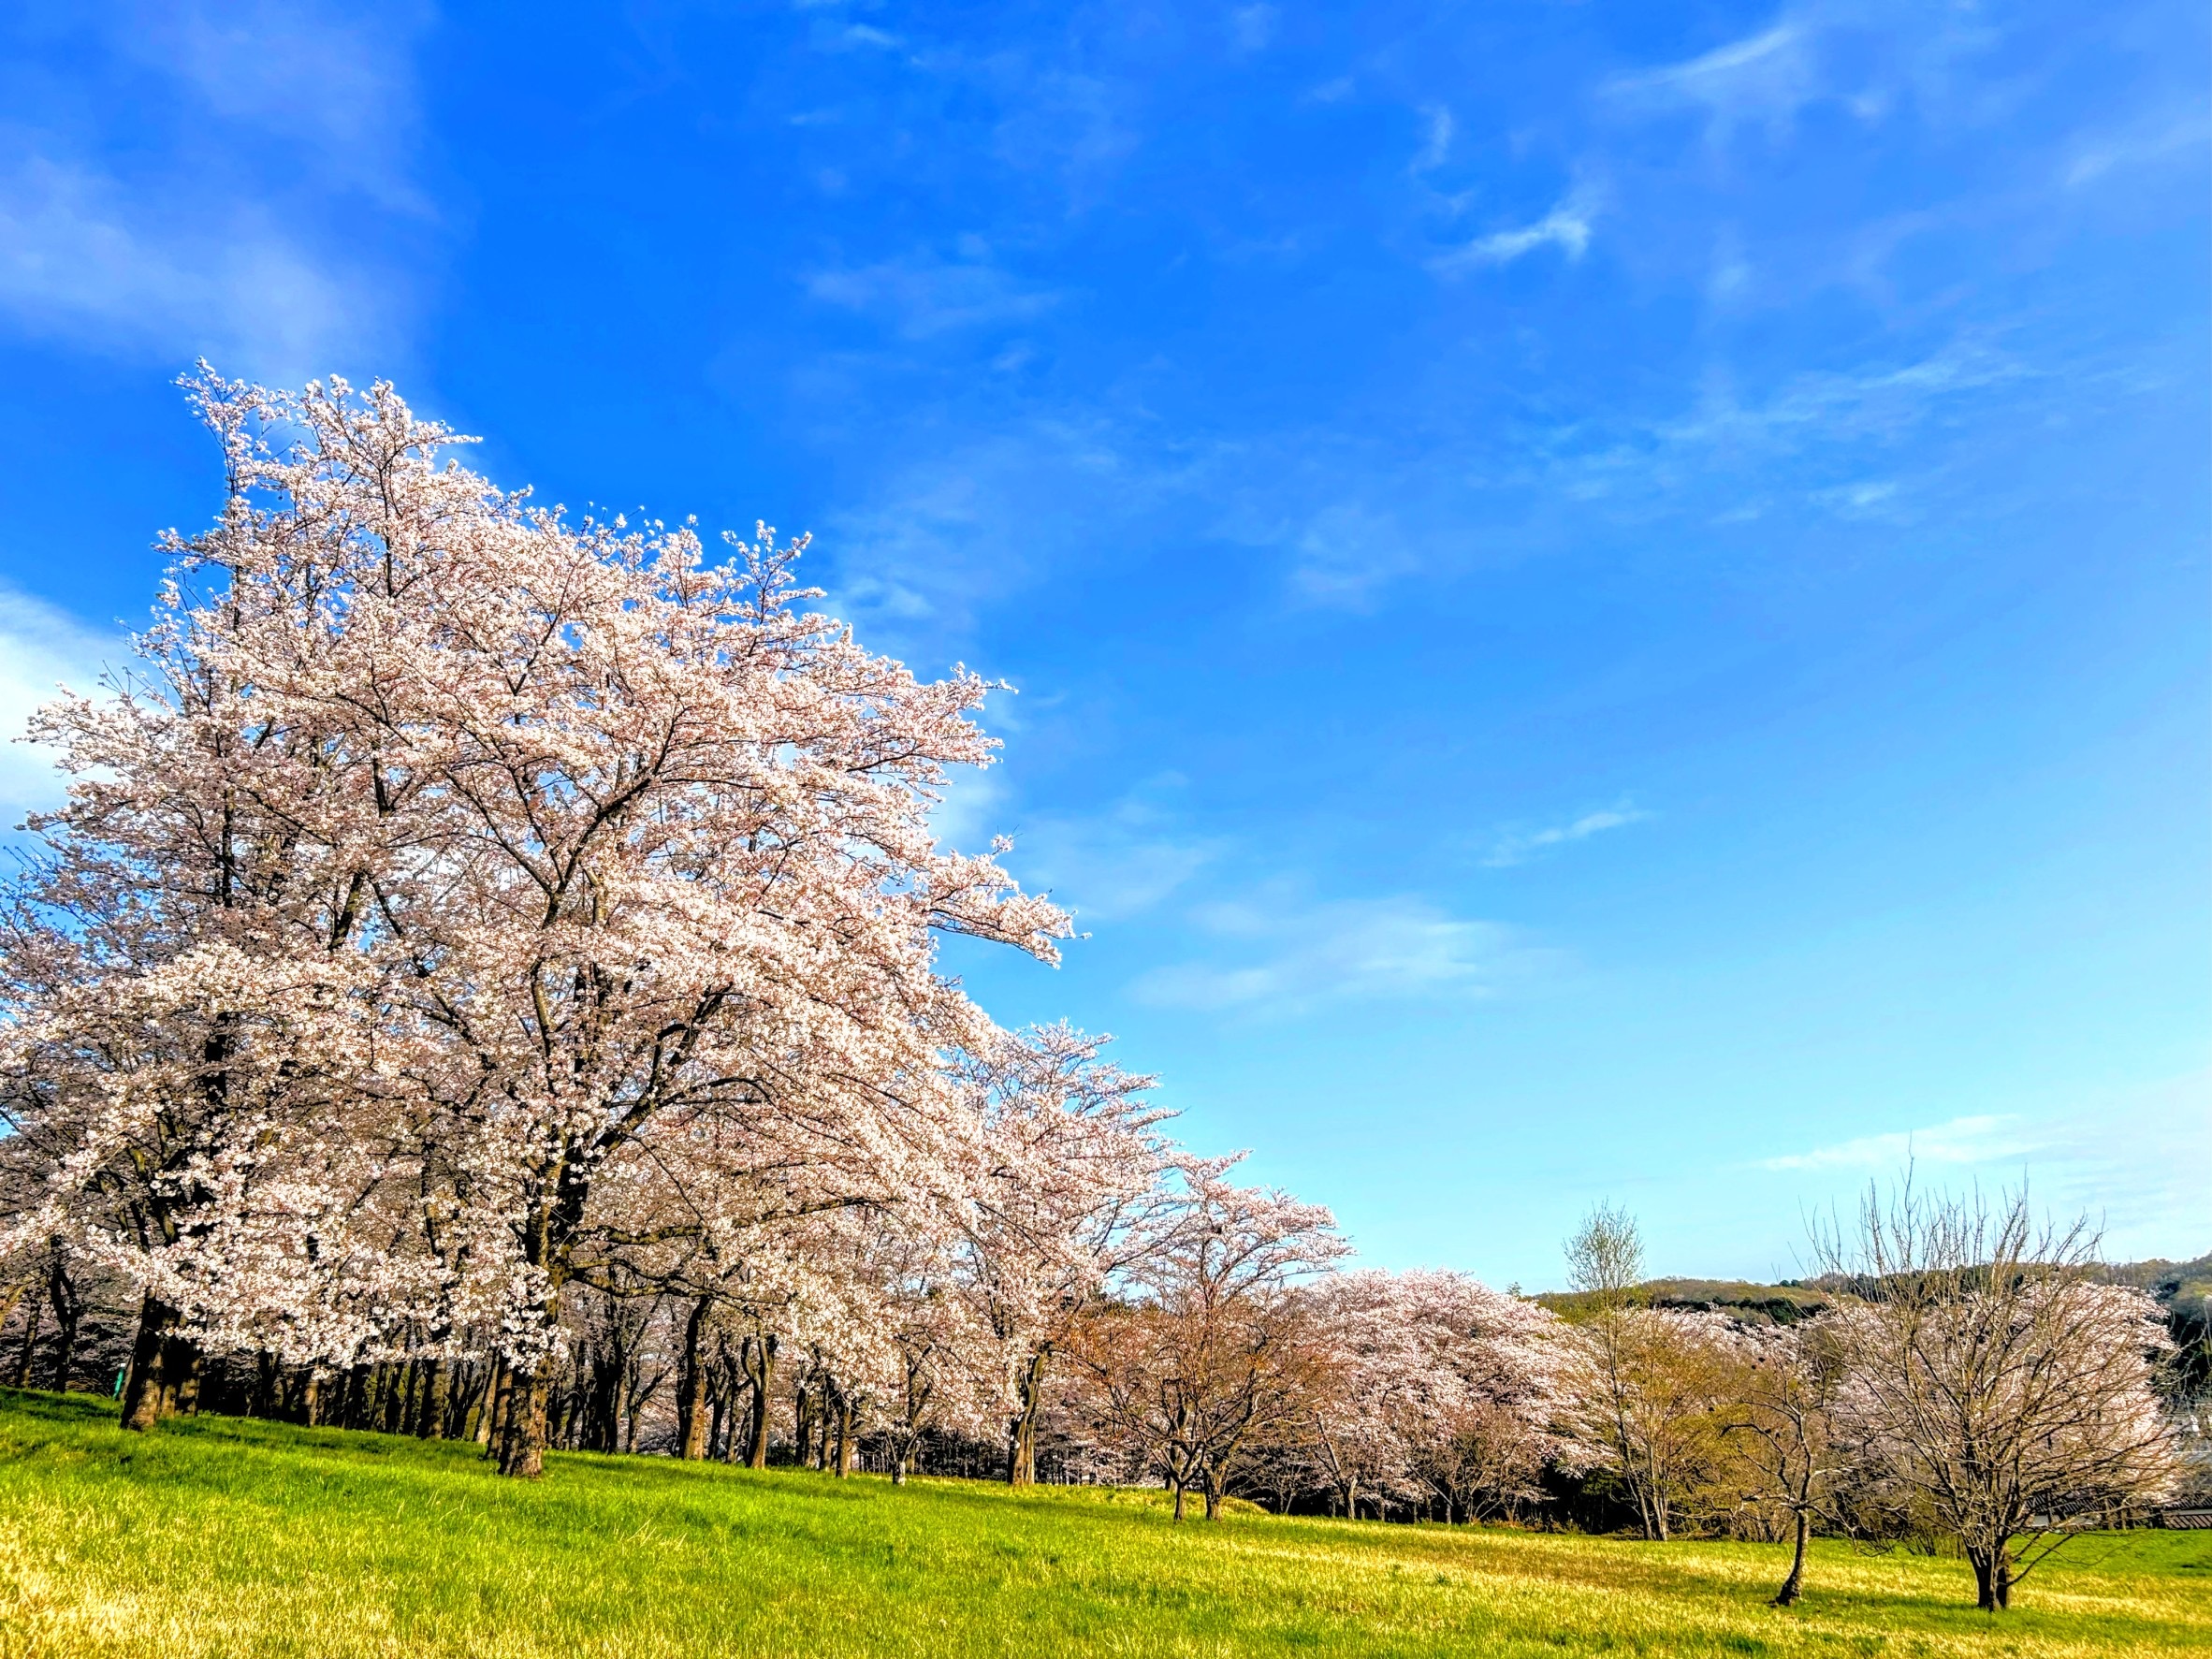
<point x="604" y="870"/>
<point x="1214" y="1346"/>
<point x="1993" y="1377"/>
<point x="1496" y="1407"/>
<point x="1063" y="1194"/>
<point x="189" y="965"/>
<point x="1435" y="1387"/>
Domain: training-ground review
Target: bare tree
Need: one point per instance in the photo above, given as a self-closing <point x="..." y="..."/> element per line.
<point x="1782" y="1431"/>
<point x="2002" y="1387"/>
<point x="1652" y="1381"/>
<point x="1214" y="1352"/>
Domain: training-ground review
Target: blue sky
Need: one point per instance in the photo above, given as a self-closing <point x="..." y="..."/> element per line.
<point x="1607" y="601"/>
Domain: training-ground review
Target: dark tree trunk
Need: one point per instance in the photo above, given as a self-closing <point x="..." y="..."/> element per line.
<point x="1020" y="1450"/>
<point x="523" y="1446"/>
<point x="34" y="1316"/>
<point x="502" y="1402"/>
<point x="68" y="1308"/>
<point x="181" y="1363"/>
<point x="431" y="1424"/>
<point x="395" y="1396"/>
<point x="691" y="1386"/>
<point x="463" y="1411"/>
<point x="429" y="1397"/>
<point x="761" y="1366"/>
<point x="347" y="1410"/>
<point x="143" y="1389"/>
<point x="848" y="1443"/>
<point x="1794" y="1586"/>
<point x="1993" y="1577"/>
<point x="65" y="1353"/>
<point x="419" y="1379"/>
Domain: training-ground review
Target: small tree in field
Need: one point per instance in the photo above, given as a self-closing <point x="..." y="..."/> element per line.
<point x="1655" y="1378"/>
<point x="1216" y="1348"/>
<point x="1993" y="1378"/>
<point x="1781" y="1429"/>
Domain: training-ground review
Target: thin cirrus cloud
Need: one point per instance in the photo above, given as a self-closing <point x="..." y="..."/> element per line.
<point x="2164" y="137"/>
<point x="1520" y="847"/>
<point x="1116" y="865"/>
<point x="1119" y="860"/>
<point x="42" y="651"/>
<point x="2128" y="1159"/>
<point x="1273" y="959"/>
<point x="1565" y="227"/>
<point x="1838" y="434"/>
<point x="257" y="237"/>
<point x="1765" y="77"/>
<point x="92" y="259"/>
<point x="923" y="295"/>
<point x="1984" y="1138"/>
<point x="1867" y="57"/>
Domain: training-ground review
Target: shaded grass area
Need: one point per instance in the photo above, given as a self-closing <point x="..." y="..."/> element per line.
<point x="222" y="1536"/>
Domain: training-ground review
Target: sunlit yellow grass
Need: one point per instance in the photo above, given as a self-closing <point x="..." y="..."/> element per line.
<point x="219" y="1536"/>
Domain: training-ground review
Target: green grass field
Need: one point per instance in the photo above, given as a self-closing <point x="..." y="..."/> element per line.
<point x="222" y="1536"/>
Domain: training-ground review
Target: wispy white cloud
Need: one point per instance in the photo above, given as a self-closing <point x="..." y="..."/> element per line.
<point x="250" y="238"/>
<point x="1348" y="553"/>
<point x="42" y="649"/>
<point x="1565" y="227"/>
<point x="85" y="257"/>
<point x="1436" y="140"/>
<point x="248" y="62"/>
<point x="1987" y="1139"/>
<point x="1118" y="861"/>
<point x="1275" y="958"/>
<point x="1122" y="861"/>
<point x="2130" y="1159"/>
<point x="2166" y="135"/>
<point x="922" y="294"/>
<point x="1059" y="120"/>
<point x="949" y="532"/>
<point x="1519" y="847"/>
<point x="1252" y="27"/>
<point x="1868" y="498"/>
<point x="1768" y="76"/>
<point x="1867" y="57"/>
<point x="1880" y="401"/>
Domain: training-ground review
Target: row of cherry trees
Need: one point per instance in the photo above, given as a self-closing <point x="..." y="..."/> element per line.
<point x="483" y="981"/>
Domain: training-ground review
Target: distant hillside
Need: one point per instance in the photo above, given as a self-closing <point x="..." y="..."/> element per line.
<point x="1753" y="1305"/>
<point x="2185" y="1287"/>
<point x="2172" y="1283"/>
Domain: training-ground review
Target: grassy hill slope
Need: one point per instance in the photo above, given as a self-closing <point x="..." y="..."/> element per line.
<point x="226" y="1537"/>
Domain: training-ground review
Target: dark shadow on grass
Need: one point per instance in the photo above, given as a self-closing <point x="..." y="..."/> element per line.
<point x="70" y="1410"/>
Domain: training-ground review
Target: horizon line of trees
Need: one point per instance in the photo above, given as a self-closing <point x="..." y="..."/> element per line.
<point x="483" y="984"/>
